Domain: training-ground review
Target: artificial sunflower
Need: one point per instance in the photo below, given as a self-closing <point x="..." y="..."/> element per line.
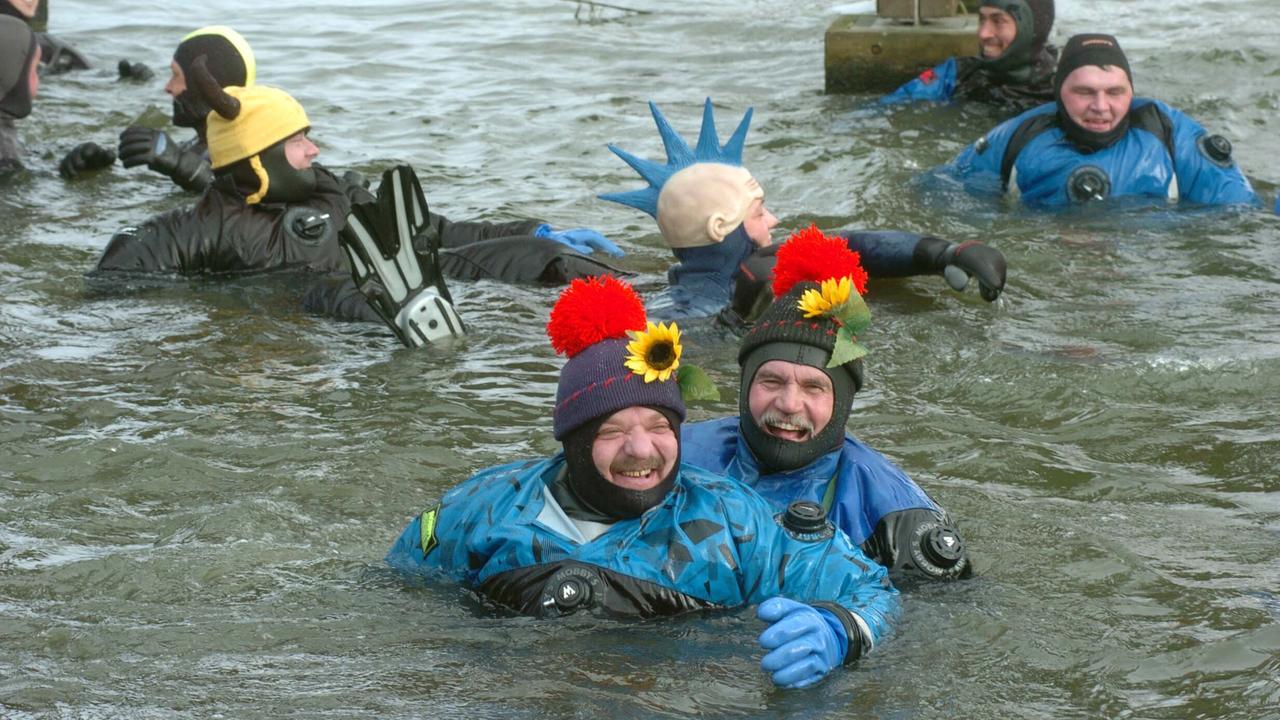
<point x="835" y="299"/>
<point x="834" y="293"/>
<point x="655" y="353"/>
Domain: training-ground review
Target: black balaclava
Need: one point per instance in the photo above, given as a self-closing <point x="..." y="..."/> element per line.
<point x="1034" y="19"/>
<point x="717" y="262"/>
<point x="285" y="183"/>
<point x="776" y="454"/>
<point x="595" y="498"/>
<point x="1082" y="51"/>
<point x="225" y="64"/>
<point x="17" y="52"/>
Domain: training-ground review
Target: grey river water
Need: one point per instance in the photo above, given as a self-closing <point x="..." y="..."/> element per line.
<point x="198" y="482"/>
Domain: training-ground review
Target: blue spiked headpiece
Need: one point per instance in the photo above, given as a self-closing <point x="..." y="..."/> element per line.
<point x="709" y="199"/>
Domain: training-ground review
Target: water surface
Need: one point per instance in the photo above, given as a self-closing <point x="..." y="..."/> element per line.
<point x="197" y="482"/>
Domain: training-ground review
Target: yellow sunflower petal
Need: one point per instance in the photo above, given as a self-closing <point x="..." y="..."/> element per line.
<point x="812" y="303"/>
<point x="659" y="337"/>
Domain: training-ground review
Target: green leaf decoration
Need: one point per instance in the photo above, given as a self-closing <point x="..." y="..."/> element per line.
<point x="847" y="348"/>
<point x="854" y="314"/>
<point x="695" y="384"/>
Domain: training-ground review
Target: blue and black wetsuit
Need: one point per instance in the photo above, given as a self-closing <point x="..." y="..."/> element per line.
<point x="968" y="79"/>
<point x="866" y="495"/>
<point x="701" y="283"/>
<point x="712" y="543"/>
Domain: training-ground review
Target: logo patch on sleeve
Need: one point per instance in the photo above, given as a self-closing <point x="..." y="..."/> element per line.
<point x="428" y="525"/>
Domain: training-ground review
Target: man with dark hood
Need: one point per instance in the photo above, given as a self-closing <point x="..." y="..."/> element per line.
<point x="1013" y="68"/>
<point x="1098" y="141"/>
<point x="19" y="81"/>
<point x="229" y="61"/>
<point x="56" y="55"/>
<point x="617" y="525"/>
<point x="801" y="368"/>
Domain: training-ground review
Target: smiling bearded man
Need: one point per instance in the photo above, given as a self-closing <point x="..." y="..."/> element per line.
<point x="617" y="525"/>
<point x="801" y="367"/>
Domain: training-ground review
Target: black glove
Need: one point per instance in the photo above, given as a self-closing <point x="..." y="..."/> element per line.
<point x="84" y="158"/>
<point x="752" y="291"/>
<point x="134" y="71"/>
<point x="958" y="263"/>
<point x="919" y="543"/>
<point x="143" y="145"/>
<point x="356" y="187"/>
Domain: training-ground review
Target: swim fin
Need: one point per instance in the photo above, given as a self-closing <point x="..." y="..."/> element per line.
<point x="405" y="289"/>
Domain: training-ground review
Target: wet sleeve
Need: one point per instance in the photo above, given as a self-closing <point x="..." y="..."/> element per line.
<point x="193" y="172"/>
<point x="412" y="552"/>
<point x="887" y="253"/>
<point x="167" y="243"/>
<point x="1205" y="176"/>
<point x="335" y="296"/>
<point x="521" y="259"/>
<point x="978" y="166"/>
<point x="937" y="84"/>
<point x="456" y="234"/>
<point x="919" y="543"/>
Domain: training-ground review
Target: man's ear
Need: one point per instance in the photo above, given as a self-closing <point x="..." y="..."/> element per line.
<point x="718" y="227"/>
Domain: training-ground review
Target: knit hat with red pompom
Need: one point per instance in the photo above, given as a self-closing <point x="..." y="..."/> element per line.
<point x="617" y="359"/>
<point x="818" y="284"/>
<point x="812" y="306"/>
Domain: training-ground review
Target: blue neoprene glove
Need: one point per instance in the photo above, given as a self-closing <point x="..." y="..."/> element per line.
<point x="805" y="642"/>
<point x="583" y="240"/>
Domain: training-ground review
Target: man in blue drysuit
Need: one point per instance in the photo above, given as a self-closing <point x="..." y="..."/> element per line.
<point x="789" y="441"/>
<point x="1013" y="68"/>
<point x="1098" y="141"/>
<point x="617" y="525"/>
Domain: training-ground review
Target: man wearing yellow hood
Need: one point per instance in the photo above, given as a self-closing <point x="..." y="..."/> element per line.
<point x="269" y="209"/>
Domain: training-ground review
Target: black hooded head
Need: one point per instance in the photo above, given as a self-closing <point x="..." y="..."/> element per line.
<point x="592" y="496"/>
<point x="783" y="333"/>
<point x="1093" y="49"/>
<point x="1034" y="19"/>
<point x="228" y="59"/>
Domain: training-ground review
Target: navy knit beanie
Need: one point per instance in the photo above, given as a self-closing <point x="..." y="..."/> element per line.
<point x="617" y="359"/>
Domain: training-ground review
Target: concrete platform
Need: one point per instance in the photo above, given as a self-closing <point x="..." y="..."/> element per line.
<point x="869" y="54"/>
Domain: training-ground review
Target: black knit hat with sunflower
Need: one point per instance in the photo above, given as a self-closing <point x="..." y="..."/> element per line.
<point x="617" y="358"/>
<point x="815" y="320"/>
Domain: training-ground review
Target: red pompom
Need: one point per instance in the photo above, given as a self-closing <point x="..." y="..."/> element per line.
<point x="592" y="310"/>
<point x="810" y="255"/>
